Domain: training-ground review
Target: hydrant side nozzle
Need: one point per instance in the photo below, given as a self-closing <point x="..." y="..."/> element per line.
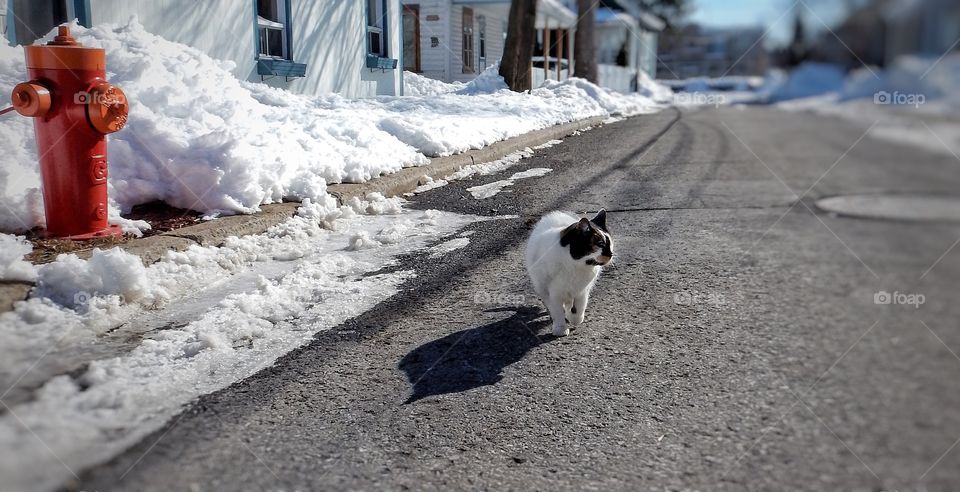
<point x="31" y="99"/>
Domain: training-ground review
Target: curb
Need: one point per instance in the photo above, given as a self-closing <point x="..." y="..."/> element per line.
<point x="215" y="232"/>
<point x="408" y="179"/>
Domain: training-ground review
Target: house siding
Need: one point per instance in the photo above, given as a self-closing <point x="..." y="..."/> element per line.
<point x="434" y="60"/>
<point x="329" y="37"/>
<point x="495" y="15"/>
<point x="444" y="61"/>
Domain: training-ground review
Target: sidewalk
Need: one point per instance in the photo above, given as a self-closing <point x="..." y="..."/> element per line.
<point x="214" y="232"/>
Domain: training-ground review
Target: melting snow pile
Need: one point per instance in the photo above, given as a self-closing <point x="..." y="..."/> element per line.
<point x="489" y="190"/>
<point x="199" y="138"/>
<point x="12" y="265"/>
<point x="202" y="319"/>
<point x="914" y="101"/>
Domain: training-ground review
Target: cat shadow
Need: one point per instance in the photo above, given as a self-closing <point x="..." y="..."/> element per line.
<point x="474" y="357"/>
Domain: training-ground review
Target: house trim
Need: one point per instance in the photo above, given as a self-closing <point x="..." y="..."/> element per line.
<point x="376" y="61"/>
<point x="11" y="26"/>
<point x="270" y="66"/>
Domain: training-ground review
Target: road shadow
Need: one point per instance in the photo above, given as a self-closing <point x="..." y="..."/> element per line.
<point x="475" y="357"/>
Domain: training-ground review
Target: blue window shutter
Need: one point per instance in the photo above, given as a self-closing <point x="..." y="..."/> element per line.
<point x="81" y="9"/>
<point x="11" y="26"/>
<point x="386" y="29"/>
<point x="256" y="32"/>
<point x="289" y="29"/>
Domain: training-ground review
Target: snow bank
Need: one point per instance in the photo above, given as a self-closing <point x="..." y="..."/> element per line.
<point x="73" y="282"/>
<point x="937" y="84"/>
<point x="808" y="79"/>
<point x="198" y="138"/>
<point x="12" y="265"/>
<point x="418" y="85"/>
<point x="914" y="101"/>
<point x="652" y="89"/>
<point x="230" y="311"/>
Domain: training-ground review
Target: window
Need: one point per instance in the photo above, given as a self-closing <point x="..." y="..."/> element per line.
<point x="411" y="38"/>
<point x="376" y="23"/>
<point x="468" y="65"/>
<point x="482" y="41"/>
<point x="272" y="29"/>
<point x="33" y="19"/>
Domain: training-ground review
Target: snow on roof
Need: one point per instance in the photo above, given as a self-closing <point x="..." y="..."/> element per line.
<point x="633" y="17"/>
<point x="550" y="13"/>
<point x="558" y="15"/>
<point x="607" y="16"/>
<point x="651" y="22"/>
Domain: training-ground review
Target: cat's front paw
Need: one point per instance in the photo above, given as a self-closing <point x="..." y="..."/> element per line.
<point x="577" y="319"/>
<point x="560" y="330"/>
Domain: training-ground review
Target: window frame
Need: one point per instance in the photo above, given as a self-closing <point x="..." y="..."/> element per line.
<point x="482" y="42"/>
<point x="467" y="53"/>
<point x="264" y="25"/>
<point x="414" y="11"/>
<point x="379" y="27"/>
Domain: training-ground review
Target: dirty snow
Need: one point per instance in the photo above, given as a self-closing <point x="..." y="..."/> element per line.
<point x="492" y="189"/>
<point x="447" y="246"/>
<point x="482" y="169"/>
<point x="202" y="319"/>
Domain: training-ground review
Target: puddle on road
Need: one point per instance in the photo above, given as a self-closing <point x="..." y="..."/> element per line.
<point x="908" y="207"/>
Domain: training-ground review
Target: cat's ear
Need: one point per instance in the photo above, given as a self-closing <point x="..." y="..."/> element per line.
<point x="583" y="225"/>
<point x="601" y="219"/>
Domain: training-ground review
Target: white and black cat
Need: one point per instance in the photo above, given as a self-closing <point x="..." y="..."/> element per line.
<point x="564" y="256"/>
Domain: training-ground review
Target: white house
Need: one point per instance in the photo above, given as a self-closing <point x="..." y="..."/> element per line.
<point x="350" y="47"/>
<point x="454" y="40"/>
<point x="626" y="42"/>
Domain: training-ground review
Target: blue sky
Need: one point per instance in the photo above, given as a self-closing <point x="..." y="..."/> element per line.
<point x="752" y="13"/>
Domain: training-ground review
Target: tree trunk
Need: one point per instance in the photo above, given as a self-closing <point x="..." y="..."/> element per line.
<point x="584" y="50"/>
<point x="518" y="48"/>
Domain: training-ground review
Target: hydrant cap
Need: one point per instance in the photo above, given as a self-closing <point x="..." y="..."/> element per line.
<point x="31" y="99"/>
<point x="107" y="108"/>
<point x="63" y="37"/>
<point x="64" y="53"/>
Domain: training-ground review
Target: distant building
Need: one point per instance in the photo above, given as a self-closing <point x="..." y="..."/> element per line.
<point x="305" y="46"/>
<point x="879" y="31"/>
<point x="693" y="51"/>
<point x="626" y="42"/>
<point x="926" y="28"/>
<point x="454" y="40"/>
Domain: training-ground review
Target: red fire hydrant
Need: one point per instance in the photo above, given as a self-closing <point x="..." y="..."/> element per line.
<point x="74" y="108"/>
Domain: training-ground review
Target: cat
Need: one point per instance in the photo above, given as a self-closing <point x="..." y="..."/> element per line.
<point x="564" y="257"/>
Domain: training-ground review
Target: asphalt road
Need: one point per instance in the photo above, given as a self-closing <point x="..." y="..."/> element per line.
<point x="734" y="343"/>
